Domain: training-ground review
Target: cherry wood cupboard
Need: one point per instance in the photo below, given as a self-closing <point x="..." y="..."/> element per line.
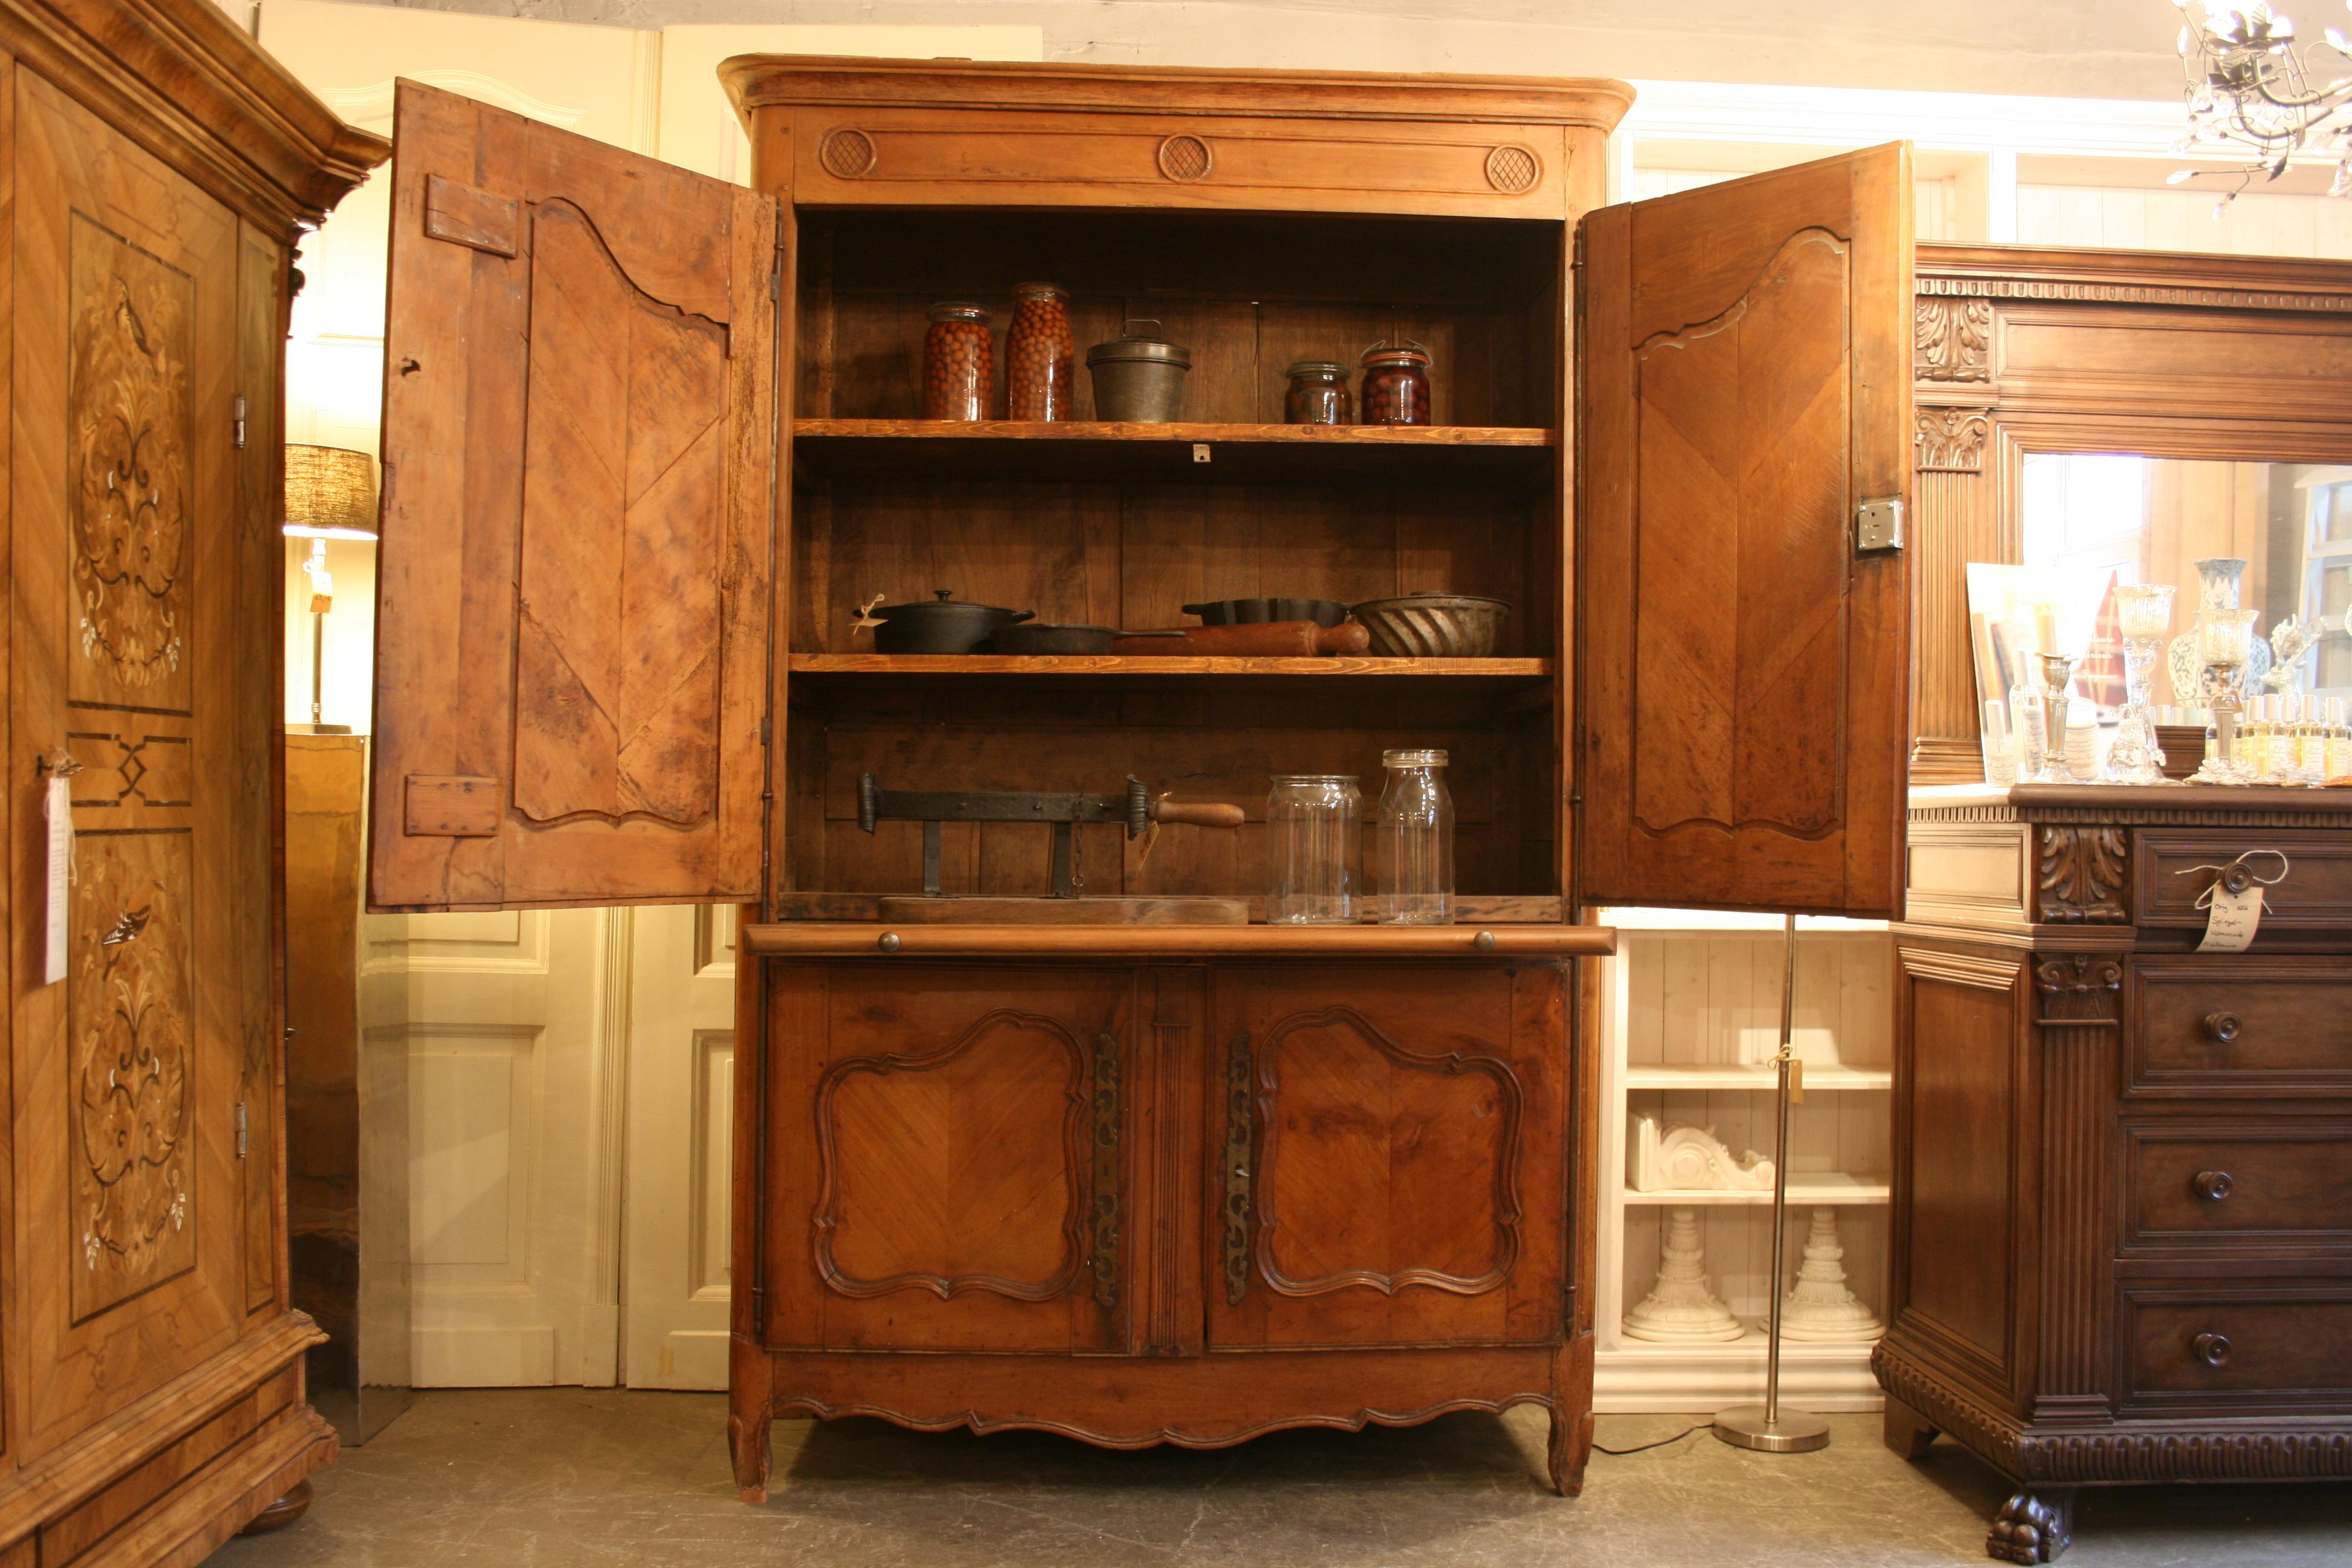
<point x="650" y="445"/>
<point x="157" y="169"/>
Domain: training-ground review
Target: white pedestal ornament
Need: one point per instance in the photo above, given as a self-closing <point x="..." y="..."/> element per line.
<point x="1681" y="1308"/>
<point x="1820" y="1306"/>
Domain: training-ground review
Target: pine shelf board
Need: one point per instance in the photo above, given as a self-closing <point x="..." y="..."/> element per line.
<point x="1491" y="672"/>
<point x="1506" y="457"/>
<point x="1628" y="1348"/>
<point x="1818" y="1075"/>
<point x="1832" y="1189"/>
<point x="1712" y="923"/>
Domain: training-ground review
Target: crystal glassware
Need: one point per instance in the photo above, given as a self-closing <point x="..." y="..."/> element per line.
<point x="2057" y="674"/>
<point x="2224" y="641"/>
<point x="2143" y="611"/>
<point x="1412" y="840"/>
<point x="2000" y="746"/>
<point x="1314" y="837"/>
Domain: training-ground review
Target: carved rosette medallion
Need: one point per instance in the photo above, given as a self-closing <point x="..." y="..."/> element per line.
<point x="1951" y="440"/>
<point x="130" y="1025"/>
<point x="1185" y="158"/>
<point x="846" y="153"/>
<point x="1951" y="340"/>
<point x="1512" y="169"/>
<point x="2082" y="876"/>
<point x="129" y="480"/>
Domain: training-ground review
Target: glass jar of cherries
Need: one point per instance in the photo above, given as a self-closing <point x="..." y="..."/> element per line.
<point x="1396" y="385"/>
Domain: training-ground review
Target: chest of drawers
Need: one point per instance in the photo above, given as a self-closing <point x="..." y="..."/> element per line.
<point x="2122" y="1239"/>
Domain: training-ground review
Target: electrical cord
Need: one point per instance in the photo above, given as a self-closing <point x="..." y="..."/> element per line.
<point x="1645" y="1447"/>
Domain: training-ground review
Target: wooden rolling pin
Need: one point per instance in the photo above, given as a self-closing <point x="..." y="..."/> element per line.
<point x="1199" y="813"/>
<point x="1268" y="639"/>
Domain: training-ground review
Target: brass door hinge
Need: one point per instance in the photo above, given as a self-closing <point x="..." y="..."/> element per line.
<point x="240" y="1129"/>
<point x="237" y="421"/>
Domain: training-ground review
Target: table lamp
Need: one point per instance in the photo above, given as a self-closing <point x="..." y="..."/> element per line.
<point x="330" y="494"/>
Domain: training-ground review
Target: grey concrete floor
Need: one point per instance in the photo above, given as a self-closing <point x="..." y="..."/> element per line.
<point x="582" y="1477"/>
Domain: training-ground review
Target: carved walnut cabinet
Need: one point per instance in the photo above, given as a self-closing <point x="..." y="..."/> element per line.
<point x="650" y="445"/>
<point x="158" y="169"/>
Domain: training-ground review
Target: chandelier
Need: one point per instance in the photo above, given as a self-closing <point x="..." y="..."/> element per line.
<point x="2253" y="88"/>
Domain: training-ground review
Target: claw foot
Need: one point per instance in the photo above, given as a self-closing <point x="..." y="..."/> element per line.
<point x="2032" y="1526"/>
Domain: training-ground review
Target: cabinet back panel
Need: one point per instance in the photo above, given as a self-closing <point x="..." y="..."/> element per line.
<point x="1200" y="746"/>
<point x="1248" y="295"/>
<point x="1134" y="555"/>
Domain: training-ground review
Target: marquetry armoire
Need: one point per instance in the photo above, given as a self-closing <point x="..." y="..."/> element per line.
<point x="159" y="168"/>
<point x="651" y="441"/>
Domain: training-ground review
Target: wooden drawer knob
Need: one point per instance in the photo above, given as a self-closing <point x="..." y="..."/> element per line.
<point x="2222" y="1027"/>
<point x="2213" y="1349"/>
<point x="2212" y="1185"/>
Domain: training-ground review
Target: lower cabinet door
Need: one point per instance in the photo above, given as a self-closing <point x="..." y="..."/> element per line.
<point x="1391" y="1167"/>
<point x="946" y="1148"/>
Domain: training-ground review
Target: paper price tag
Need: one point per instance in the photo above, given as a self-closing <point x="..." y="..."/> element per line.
<point x="57" y="805"/>
<point x="2230" y="924"/>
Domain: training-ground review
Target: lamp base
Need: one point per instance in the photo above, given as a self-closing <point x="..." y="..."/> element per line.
<point x="1744" y="1426"/>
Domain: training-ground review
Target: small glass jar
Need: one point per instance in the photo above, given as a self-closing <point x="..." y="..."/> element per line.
<point x="959" y="362"/>
<point x="2339" y="739"/>
<point x="1041" y="356"/>
<point x="1314" y="835"/>
<point x="1318" y="394"/>
<point x="1413" y="842"/>
<point x="1396" y="385"/>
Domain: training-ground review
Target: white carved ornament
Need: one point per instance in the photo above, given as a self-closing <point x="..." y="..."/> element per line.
<point x="1671" y="1157"/>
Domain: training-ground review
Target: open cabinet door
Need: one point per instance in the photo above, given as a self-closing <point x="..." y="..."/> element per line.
<point x="1744" y="632"/>
<point x="579" y="453"/>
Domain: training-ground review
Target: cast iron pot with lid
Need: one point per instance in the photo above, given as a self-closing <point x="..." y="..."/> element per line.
<point x="944" y="625"/>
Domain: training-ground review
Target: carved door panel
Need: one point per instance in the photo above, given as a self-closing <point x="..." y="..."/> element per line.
<point x="1745" y="652"/>
<point x="143" y="591"/>
<point x="579" y="444"/>
<point x="1390" y="1165"/>
<point x="949" y="1157"/>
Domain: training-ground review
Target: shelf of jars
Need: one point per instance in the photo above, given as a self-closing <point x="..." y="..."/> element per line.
<point x="1690" y="1020"/>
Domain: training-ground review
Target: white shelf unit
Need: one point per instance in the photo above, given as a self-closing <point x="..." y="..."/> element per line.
<point x="1690" y="1018"/>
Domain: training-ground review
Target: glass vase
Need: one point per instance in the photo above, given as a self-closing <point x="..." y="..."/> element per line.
<point x="2057" y="674"/>
<point x="2143" y="611"/>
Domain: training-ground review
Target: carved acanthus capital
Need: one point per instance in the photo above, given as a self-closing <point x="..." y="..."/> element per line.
<point x="1951" y="340"/>
<point x="2082" y="876"/>
<point x="1951" y="440"/>
<point x="2078" y="975"/>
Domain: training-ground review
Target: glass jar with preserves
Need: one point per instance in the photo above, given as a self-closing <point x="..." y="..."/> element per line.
<point x="1040" y="354"/>
<point x="959" y="362"/>
<point x="1314" y="839"/>
<point x="1318" y="394"/>
<point x="1413" y="842"/>
<point x="1396" y="383"/>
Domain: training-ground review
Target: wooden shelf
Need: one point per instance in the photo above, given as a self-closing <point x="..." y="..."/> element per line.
<point x="1814" y="1188"/>
<point x="1714" y="922"/>
<point x="1506" y="457"/>
<point x="1822" y="1076"/>
<point x="1485" y="672"/>
<point x="1121" y="943"/>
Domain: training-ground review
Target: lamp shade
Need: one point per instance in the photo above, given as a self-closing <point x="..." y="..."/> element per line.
<point x="329" y="492"/>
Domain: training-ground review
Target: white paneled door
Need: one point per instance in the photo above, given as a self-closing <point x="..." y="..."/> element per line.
<point x="680" y="1095"/>
<point x="513" y="1041"/>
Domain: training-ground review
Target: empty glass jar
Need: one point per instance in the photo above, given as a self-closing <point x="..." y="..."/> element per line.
<point x="1314" y="837"/>
<point x="1413" y="842"/>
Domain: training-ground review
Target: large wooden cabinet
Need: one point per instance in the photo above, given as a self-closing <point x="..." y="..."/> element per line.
<point x="650" y="444"/>
<point x="159" y="167"/>
<point x="2121" y="1189"/>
